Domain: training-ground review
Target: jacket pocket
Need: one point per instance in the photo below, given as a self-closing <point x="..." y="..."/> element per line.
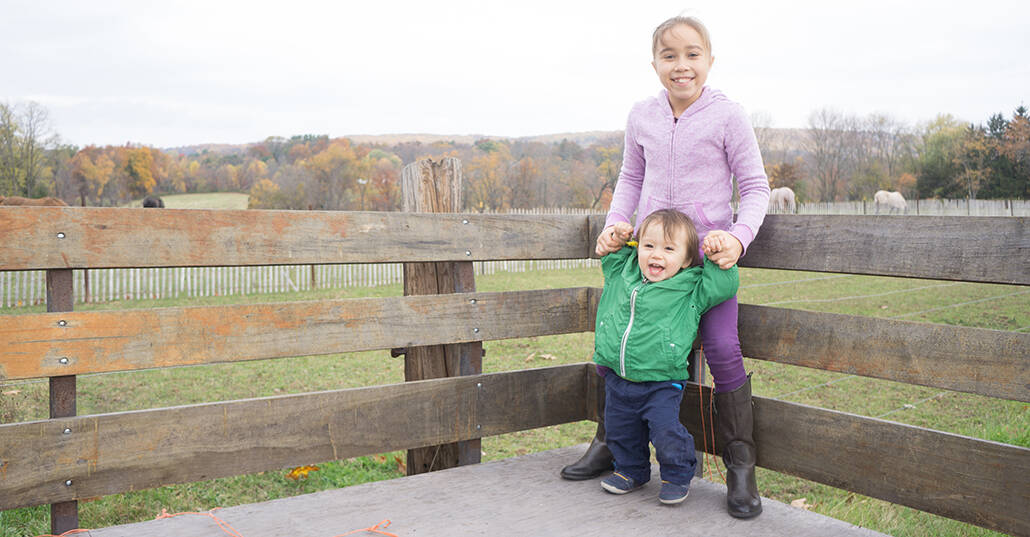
<point x="702" y="218"/>
<point x="607" y="340"/>
<point x="675" y="349"/>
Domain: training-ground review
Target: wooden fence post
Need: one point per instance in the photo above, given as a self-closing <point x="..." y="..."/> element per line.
<point x="64" y="516"/>
<point x="435" y="187"/>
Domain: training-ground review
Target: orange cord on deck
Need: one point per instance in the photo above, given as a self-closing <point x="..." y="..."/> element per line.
<point x="231" y="530"/>
<point x="373" y="529"/>
<point x="69" y="532"/>
<point x="709" y="460"/>
<point x="221" y="523"/>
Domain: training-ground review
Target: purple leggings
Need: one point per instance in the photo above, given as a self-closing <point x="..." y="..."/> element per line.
<point x="722" y="346"/>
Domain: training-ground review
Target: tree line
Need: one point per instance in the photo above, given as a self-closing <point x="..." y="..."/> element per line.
<point x="841" y="157"/>
<point x="837" y="157"/>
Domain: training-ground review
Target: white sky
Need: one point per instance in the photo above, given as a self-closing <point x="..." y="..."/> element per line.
<point x="177" y="73"/>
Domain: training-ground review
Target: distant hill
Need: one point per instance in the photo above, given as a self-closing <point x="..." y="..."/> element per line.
<point x="781" y="138"/>
<point x="581" y="138"/>
<point x="218" y="149"/>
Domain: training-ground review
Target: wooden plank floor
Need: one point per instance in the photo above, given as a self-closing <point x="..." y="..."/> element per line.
<point x="522" y="496"/>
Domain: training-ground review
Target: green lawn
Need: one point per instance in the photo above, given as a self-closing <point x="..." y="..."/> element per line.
<point x="212" y="200"/>
<point x="990" y="306"/>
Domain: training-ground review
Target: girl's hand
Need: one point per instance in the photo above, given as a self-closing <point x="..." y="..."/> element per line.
<point x="722" y="248"/>
<point x="613" y="238"/>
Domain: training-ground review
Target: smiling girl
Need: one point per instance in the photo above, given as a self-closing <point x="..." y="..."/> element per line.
<point x="683" y="149"/>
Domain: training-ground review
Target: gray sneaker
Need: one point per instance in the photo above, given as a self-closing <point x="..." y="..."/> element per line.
<point x="672" y="494"/>
<point x="620" y="484"/>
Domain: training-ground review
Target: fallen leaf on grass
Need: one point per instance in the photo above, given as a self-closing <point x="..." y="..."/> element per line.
<point x="801" y="503"/>
<point x="542" y="357"/>
<point x="12" y="392"/>
<point x="530" y="358"/>
<point x="301" y="472"/>
<point x="401" y="466"/>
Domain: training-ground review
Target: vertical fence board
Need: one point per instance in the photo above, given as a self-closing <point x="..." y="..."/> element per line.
<point x="64" y="516"/>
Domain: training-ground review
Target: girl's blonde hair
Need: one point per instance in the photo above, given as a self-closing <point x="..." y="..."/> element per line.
<point x="669" y="24"/>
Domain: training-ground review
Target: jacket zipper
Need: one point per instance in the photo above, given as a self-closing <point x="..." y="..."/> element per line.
<point x="629" y="326"/>
<point x="672" y="157"/>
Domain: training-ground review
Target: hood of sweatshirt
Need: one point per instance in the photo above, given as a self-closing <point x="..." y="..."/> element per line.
<point x="709" y="95"/>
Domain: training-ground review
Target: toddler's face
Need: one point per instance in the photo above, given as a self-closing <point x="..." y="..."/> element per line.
<point x="682" y="62"/>
<point x="660" y="258"/>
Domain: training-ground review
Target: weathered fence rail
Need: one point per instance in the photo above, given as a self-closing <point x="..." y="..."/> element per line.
<point x="26" y="288"/>
<point x="67" y="458"/>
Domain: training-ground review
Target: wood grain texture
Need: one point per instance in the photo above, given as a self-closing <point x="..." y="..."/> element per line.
<point x="111" y="453"/>
<point x="435" y="187"/>
<point x="106" y="237"/>
<point x="60" y="297"/>
<point x="975" y="481"/>
<point x="480" y="500"/>
<point x="979" y="249"/>
<point x="975" y="249"/>
<point x="972" y="360"/>
<point x="33" y="345"/>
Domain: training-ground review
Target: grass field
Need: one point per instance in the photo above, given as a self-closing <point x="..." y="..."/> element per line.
<point x="212" y="200"/>
<point x="997" y="307"/>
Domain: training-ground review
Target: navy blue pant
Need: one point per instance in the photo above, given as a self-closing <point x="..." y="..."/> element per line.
<point x="636" y="413"/>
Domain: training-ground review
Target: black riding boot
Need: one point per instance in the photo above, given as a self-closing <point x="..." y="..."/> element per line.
<point x="596" y="461"/>
<point x="736" y="425"/>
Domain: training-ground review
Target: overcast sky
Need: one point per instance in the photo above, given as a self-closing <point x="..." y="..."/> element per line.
<point x="177" y="73"/>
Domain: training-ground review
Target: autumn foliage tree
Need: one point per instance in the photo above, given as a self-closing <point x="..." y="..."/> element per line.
<point x="839" y="157"/>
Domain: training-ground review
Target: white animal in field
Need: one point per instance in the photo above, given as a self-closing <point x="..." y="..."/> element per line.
<point x="781" y="200"/>
<point x="892" y="201"/>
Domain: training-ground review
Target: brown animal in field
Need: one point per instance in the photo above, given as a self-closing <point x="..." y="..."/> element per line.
<point x="36" y="202"/>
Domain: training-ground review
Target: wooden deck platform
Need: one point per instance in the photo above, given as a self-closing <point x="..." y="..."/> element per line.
<point x="522" y="496"/>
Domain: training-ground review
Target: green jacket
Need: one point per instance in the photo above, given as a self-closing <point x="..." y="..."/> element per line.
<point x="644" y="331"/>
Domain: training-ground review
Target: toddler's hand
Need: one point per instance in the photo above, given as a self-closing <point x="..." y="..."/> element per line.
<point x="613" y="238"/>
<point x="722" y="248"/>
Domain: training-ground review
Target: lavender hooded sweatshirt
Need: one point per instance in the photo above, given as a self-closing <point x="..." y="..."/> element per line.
<point x="688" y="165"/>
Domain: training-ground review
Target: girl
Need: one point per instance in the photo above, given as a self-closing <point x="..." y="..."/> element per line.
<point x="683" y="149"/>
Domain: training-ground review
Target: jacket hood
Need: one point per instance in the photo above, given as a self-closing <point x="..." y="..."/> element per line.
<point x="709" y="96"/>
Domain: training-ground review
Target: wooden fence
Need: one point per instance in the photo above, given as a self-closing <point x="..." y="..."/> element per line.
<point x="67" y="457"/>
<point x="28" y="288"/>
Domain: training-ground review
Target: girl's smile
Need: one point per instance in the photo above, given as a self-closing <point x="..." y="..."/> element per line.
<point x="682" y="62"/>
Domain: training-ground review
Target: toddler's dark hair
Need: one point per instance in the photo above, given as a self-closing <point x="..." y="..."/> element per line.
<point x="672" y="221"/>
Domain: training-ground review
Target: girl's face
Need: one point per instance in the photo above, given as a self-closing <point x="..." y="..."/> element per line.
<point x="682" y="62"/>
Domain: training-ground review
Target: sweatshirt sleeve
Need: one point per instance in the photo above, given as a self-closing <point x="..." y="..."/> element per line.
<point x="745" y="161"/>
<point x="717" y="285"/>
<point x="631" y="178"/>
